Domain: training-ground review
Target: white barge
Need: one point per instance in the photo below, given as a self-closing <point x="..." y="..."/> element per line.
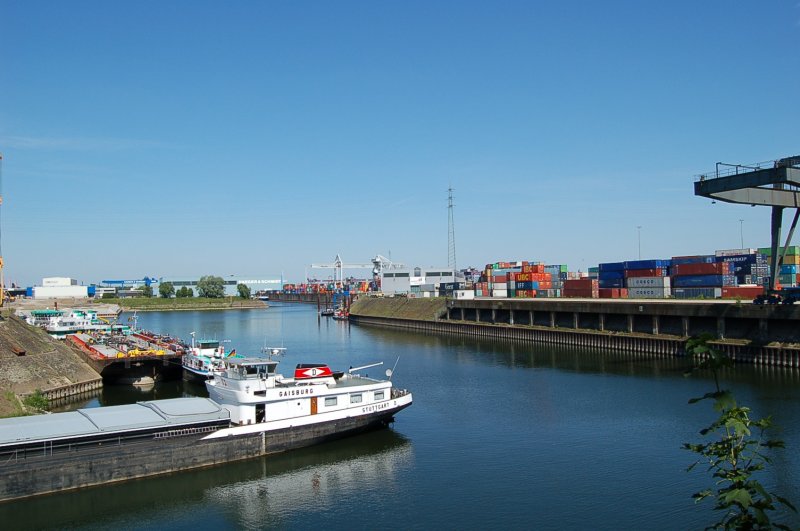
<point x="253" y="411"/>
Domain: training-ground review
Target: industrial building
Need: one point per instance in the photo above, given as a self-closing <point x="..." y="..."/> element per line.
<point x="60" y="288"/>
<point x="420" y="282"/>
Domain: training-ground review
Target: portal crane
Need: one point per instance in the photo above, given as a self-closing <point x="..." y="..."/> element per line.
<point x="378" y="265"/>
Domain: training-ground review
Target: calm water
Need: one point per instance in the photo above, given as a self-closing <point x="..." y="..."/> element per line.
<point x="501" y="435"/>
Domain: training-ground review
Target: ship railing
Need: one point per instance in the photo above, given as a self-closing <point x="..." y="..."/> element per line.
<point x="397" y="393"/>
<point x="184" y="432"/>
<point x="50" y="448"/>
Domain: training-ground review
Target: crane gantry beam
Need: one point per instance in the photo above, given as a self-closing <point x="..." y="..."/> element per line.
<point x="776" y="186"/>
<point x="378" y="264"/>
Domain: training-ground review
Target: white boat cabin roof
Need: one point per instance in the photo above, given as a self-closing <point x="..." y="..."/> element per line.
<point x="244" y="367"/>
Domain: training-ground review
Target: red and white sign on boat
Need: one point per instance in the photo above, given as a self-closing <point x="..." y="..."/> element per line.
<point x="308" y="370"/>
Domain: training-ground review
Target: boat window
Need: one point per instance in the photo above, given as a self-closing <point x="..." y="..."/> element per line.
<point x="330" y="401"/>
<point x="378" y="395"/>
<point x="355" y="399"/>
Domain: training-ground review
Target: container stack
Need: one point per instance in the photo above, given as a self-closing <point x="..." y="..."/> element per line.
<point x="611" y="275"/>
<point x="700" y="277"/>
<point x="587" y="288"/>
<point x="558" y="275"/>
<point x="514" y="279"/>
<point x="531" y="280"/>
<point x="647" y="279"/>
<point x="751" y="270"/>
<point x="789" y="275"/>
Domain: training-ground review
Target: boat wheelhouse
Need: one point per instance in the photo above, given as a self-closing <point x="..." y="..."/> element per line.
<point x="204" y="359"/>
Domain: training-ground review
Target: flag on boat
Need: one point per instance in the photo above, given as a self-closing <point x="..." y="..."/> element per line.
<point x="232" y="353"/>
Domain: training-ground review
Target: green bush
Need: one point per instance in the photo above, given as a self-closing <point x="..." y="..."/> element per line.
<point x="36" y="401"/>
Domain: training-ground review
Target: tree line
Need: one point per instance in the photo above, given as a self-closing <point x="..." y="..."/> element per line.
<point x="209" y="286"/>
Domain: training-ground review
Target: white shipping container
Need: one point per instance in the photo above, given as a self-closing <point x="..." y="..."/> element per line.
<point x="734" y="252"/>
<point x="648" y="293"/>
<point x="648" y="282"/>
<point x="500" y="293"/>
<point x="499" y="285"/>
<point x="60" y="292"/>
<point x="464" y="294"/>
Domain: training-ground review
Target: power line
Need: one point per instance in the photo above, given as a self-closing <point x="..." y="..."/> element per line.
<point x="451" y="231"/>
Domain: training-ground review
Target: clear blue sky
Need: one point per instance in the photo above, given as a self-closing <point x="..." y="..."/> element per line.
<point x="254" y="138"/>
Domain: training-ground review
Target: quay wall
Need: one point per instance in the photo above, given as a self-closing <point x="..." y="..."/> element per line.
<point x="767" y="335"/>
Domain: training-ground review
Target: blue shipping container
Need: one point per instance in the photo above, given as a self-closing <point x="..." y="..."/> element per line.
<point x="611" y="283"/>
<point x="611" y="266"/>
<point x="646" y="264"/>
<point x="611" y="275"/>
<point x="526" y="285"/>
<point x="704" y="259"/>
<point x="789" y="269"/>
<point x="690" y="281"/>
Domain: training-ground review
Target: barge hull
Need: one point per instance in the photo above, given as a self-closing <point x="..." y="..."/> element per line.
<point x="47" y="470"/>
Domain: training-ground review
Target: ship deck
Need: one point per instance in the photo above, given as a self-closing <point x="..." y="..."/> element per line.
<point x="107" y="421"/>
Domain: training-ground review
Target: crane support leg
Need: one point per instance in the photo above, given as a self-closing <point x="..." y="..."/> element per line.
<point x="775" y="263"/>
<point x="789" y="236"/>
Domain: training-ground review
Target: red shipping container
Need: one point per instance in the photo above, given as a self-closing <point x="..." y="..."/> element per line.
<point x="581" y="283"/>
<point x="657" y="272"/>
<point x="717" y="268"/>
<point x="609" y="293"/>
<point x="581" y="293"/>
<point x="533" y="268"/>
<point x="744" y="292"/>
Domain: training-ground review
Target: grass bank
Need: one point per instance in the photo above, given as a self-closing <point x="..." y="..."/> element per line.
<point x="400" y="308"/>
<point x="159" y="304"/>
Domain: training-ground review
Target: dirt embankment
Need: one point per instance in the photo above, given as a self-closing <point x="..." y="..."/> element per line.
<point x="48" y="363"/>
<point x="400" y="308"/>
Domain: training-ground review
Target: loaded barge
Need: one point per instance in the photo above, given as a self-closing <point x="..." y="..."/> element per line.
<point x="253" y="411"/>
<point x="138" y="358"/>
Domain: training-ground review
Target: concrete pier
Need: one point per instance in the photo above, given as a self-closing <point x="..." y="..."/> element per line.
<point x="765" y="335"/>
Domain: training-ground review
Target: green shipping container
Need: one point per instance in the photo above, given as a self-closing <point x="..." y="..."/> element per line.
<point x="792" y="250"/>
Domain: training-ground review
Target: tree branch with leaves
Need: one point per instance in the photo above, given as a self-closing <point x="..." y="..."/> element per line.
<point x="738" y="451"/>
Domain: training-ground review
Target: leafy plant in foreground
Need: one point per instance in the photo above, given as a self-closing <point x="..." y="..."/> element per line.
<point x="736" y="454"/>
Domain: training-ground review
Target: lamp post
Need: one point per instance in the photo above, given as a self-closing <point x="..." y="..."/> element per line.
<point x="639" y="239"/>
<point x="741" y="232"/>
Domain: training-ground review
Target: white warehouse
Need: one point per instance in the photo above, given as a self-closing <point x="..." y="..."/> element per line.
<point x="60" y="288"/>
<point x="418" y="281"/>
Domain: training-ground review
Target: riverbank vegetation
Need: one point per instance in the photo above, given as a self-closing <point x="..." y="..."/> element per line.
<point x="424" y="309"/>
<point x="736" y="451"/>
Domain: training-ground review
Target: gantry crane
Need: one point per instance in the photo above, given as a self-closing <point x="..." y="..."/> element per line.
<point x="378" y="265"/>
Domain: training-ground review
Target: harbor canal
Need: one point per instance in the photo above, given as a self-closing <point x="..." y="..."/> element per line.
<point x="501" y="435"/>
